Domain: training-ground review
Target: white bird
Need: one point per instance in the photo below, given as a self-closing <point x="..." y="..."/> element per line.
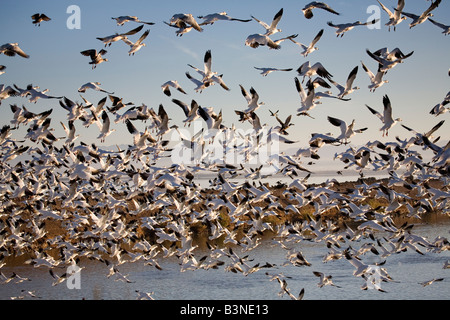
<point x="6" y="92"/>
<point x="307" y="99"/>
<point x="306" y="70"/>
<point x="376" y="81"/>
<point x="208" y="75"/>
<point x="253" y="102"/>
<point x="427" y="283"/>
<point x="324" y="280"/>
<point x="182" y="27"/>
<point x="396" y="17"/>
<point x="344" y="91"/>
<point x="347" y="131"/>
<point x="221" y="16"/>
<point x="123" y="19"/>
<point x="185" y="19"/>
<point x="93" y="86"/>
<point x="11" y="49"/>
<point x="191" y="112"/>
<point x="388" y="60"/>
<point x="33" y="93"/>
<point x="256" y="40"/>
<point x="445" y="28"/>
<point x="70" y="132"/>
<point x="386" y="117"/>
<point x="96" y="57"/>
<point x="108" y="40"/>
<point x="200" y="85"/>
<point x="440" y="108"/>
<point x="342" y="28"/>
<point x="416" y="20"/>
<point x="136" y="46"/>
<point x="307" y="49"/>
<point x="266" y="71"/>
<point x="171" y="84"/>
<point x="273" y="27"/>
<point x="308" y="9"/>
<point x="105" y="127"/>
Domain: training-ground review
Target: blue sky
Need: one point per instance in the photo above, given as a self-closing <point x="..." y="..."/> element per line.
<point x="56" y="63"/>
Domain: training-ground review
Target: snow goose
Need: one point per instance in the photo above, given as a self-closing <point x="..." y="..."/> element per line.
<point x="11" y="49"/>
<point x="386" y="117"/>
<point x="390" y="60"/>
<point x="105" y="129"/>
<point x="96" y="57"/>
<point x="311" y="47"/>
<point x="185" y="19"/>
<point x="342" y="28"/>
<point x="33" y="94"/>
<point x="182" y="27"/>
<point x="396" y="17"/>
<point x="427" y="283"/>
<point x="191" y="112"/>
<point x="308" y="9"/>
<point x="7" y="92"/>
<point x="171" y="84"/>
<point x="347" y="131"/>
<point x="441" y="108"/>
<point x="376" y="81"/>
<point x="416" y="20"/>
<point x="200" y="85"/>
<point x="118" y="36"/>
<point x="38" y="18"/>
<point x="266" y="71"/>
<point x="444" y="27"/>
<point x="307" y="99"/>
<point x="324" y="280"/>
<point x="70" y="132"/>
<point x="94" y="86"/>
<point x="343" y="91"/>
<point x="256" y="40"/>
<point x="273" y="27"/>
<point x="122" y="19"/>
<point x="213" y="121"/>
<point x="136" y="46"/>
<point x="221" y="16"/>
<point x="253" y="102"/>
<point x="117" y="103"/>
<point x="207" y="73"/>
<point x="306" y="70"/>
<point x="284" y="125"/>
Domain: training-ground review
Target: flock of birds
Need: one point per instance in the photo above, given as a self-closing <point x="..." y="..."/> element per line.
<point x="120" y="206"/>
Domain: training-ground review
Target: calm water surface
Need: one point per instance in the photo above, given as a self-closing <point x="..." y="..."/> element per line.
<point x="408" y="269"/>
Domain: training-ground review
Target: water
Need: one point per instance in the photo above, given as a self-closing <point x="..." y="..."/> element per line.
<point x="408" y="269"/>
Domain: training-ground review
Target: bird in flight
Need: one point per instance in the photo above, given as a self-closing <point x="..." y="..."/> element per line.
<point x="38" y="18"/>
<point x="308" y="9"/>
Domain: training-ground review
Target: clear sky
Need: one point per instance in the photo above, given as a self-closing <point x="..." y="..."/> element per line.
<point x="56" y="64"/>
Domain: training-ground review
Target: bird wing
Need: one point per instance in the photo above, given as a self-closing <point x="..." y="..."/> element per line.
<point x="351" y="77"/>
<point x="134" y="31"/>
<point x="316" y="38"/>
<point x="433" y="6"/>
<point x="375" y="113"/>
<point x="276" y="19"/>
<point x="443" y="26"/>
<point x="387" y="108"/>
<point x="389" y="12"/>
<point x="143" y="36"/>
<point x="182" y="105"/>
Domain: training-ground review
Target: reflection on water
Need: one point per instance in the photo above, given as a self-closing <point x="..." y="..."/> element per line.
<point x="408" y="269"/>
